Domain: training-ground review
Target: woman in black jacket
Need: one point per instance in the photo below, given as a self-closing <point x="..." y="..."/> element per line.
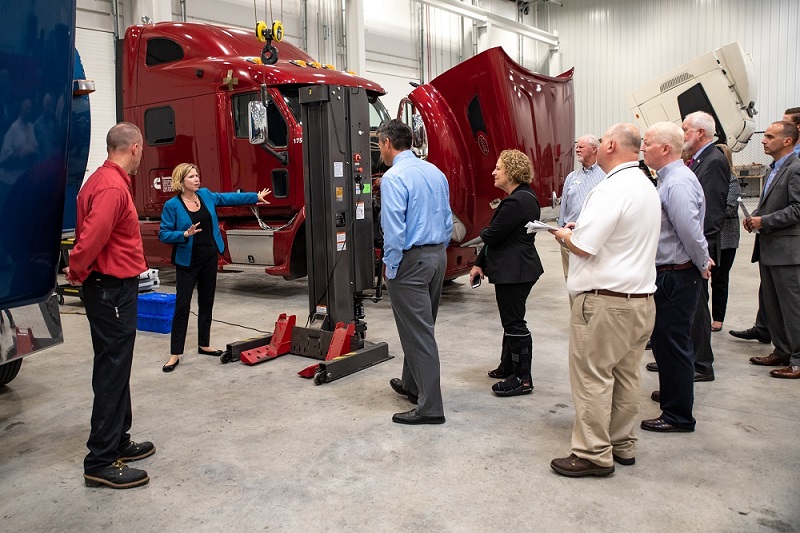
<point x="510" y="260"/>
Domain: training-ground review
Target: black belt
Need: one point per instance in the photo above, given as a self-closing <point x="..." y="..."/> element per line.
<point x="100" y="277"/>
<point x="667" y="268"/>
<point x="604" y="292"/>
<point x="421" y="246"/>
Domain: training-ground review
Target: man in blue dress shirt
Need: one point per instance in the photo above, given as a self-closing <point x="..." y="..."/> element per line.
<point x="682" y="261"/>
<point x="417" y="225"/>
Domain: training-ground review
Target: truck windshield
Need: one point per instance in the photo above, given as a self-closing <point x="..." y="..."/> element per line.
<point x="377" y="112"/>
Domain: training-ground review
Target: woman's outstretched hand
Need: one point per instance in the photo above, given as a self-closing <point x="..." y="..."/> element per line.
<point x="262" y="195"/>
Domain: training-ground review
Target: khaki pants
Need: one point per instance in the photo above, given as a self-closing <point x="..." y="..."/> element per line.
<point x="565" y="253"/>
<point x="607" y="339"/>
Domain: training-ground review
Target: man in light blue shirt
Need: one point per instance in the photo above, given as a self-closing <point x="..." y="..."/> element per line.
<point x="577" y="185"/>
<point x="417" y="225"/>
<point x="682" y="260"/>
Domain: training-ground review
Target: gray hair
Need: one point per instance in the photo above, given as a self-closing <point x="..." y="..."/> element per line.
<point x="669" y="134"/>
<point x="701" y="120"/>
<point x="590" y="139"/>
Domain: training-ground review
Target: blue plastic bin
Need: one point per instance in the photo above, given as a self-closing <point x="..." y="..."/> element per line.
<point x="157" y="304"/>
<point x="156" y="324"/>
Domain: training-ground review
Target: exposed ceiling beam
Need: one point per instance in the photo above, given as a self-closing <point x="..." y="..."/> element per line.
<point x="482" y="15"/>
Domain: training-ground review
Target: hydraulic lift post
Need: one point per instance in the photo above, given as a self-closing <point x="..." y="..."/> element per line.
<point x="339" y="226"/>
<point x="340" y="245"/>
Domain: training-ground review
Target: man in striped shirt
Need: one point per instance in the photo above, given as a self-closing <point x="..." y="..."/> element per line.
<point x="577" y="185"/>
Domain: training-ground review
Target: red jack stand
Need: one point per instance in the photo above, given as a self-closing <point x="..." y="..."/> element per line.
<point x="340" y="345"/>
<point x="279" y="344"/>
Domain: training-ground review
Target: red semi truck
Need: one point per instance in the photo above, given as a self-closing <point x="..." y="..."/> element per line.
<point x="188" y="86"/>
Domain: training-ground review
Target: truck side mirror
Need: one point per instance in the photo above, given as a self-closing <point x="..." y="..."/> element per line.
<point x="257" y="113"/>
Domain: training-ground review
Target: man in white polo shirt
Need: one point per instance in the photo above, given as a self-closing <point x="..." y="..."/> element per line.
<point x="612" y="279"/>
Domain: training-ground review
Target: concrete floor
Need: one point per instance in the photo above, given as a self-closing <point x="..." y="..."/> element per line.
<point x="244" y="448"/>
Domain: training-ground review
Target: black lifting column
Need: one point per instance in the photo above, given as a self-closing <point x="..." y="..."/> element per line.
<point x="339" y="222"/>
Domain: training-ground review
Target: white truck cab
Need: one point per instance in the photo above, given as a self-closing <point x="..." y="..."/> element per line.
<point x="721" y="83"/>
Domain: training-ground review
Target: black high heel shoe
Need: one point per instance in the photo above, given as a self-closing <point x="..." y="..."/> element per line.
<point x="170" y="367"/>
<point x="215" y="353"/>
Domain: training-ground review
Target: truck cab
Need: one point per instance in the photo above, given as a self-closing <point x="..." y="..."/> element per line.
<point x="188" y="87"/>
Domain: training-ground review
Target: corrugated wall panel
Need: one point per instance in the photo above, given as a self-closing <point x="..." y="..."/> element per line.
<point x="618" y="45"/>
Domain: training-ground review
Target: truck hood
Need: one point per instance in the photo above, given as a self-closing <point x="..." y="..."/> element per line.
<point x="488" y="104"/>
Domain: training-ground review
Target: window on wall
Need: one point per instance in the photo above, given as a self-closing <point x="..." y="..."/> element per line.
<point x="159" y="126"/>
<point x="278" y="134"/>
<point x="161" y="50"/>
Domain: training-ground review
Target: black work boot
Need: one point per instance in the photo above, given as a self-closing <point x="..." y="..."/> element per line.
<point x="117" y="476"/>
<point x="134" y="451"/>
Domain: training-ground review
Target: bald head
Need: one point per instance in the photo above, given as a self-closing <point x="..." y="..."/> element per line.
<point x="124" y="146"/>
<point x="620" y="144"/>
<point x="122" y="136"/>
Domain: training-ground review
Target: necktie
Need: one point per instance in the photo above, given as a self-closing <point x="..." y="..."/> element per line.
<point x="690" y="162"/>
<point x="770" y="176"/>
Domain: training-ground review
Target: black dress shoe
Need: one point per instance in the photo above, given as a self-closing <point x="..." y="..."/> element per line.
<point x="699" y="376"/>
<point x="170" y="367"/>
<point x="626" y="461"/>
<point x="574" y="466"/>
<point x="117" y="476"/>
<point x="397" y="386"/>
<point x="656" y="396"/>
<point x="750" y="334"/>
<point x="135" y="451"/>
<point x="659" y="425"/>
<point x="215" y="353"/>
<point x="649" y="345"/>
<point x="652" y="367"/>
<point x="412" y="417"/>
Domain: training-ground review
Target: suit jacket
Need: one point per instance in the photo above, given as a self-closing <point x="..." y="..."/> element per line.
<point x="713" y="173"/>
<point x="175" y="220"/>
<point x="778" y="240"/>
<point x="509" y="254"/>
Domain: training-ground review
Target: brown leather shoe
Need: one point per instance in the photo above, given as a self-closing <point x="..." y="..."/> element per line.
<point x="656" y="396"/>
<point x="574" y="466"/>
<point x="769" y="360"/>
<point x="790" y="372"/>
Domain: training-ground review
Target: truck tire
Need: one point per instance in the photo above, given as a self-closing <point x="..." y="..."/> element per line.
<point x="9" y="371"/>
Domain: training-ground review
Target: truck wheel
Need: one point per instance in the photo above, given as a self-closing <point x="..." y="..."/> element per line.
<point x="9" y="371"/>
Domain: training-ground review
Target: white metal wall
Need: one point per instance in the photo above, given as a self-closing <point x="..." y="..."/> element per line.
<point x="614" y="45"/>
<point x="618" y="45"/>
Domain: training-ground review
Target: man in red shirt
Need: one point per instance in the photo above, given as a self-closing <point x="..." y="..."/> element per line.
<point x="107" y="259"/>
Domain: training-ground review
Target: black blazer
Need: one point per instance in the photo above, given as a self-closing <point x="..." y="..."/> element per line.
<point x="713" y="173"/>
<point x="509" y="254"/>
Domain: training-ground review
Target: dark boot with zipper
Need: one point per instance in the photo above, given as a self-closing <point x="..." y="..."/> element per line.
<point x="506" y="367"/>
<point x="520" y="382"/>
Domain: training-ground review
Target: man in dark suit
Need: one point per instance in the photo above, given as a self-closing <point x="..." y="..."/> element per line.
<point x="777" y="249"/>
<point x="713" y="172"/>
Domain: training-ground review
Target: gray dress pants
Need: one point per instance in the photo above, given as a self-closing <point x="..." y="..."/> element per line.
<point x="415" y="294"/>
